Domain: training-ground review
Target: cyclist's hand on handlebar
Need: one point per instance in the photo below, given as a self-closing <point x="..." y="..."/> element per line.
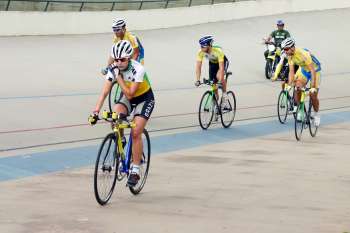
<point x="287" y="87"/>
<point x="93" y="118"/>
<point x="197" y="83"/>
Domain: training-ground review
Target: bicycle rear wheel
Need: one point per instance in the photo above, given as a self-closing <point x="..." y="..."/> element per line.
<point x="311" y="121"/>
<point x="300" y="121"/>
<point x="106" y="168"/>
<point x="114" y="95"/>
<point x="283" y="106"/>
<point x="228" y="112"/>
<point x="145" y="162"/>
<point x="206" y="109"/>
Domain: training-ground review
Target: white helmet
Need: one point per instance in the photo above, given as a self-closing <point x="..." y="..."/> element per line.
<point x="118" y="24"/>
<point x="288" y="43"/>
<point x="122" y="49"/>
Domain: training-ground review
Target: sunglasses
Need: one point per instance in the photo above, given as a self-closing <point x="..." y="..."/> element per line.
<point x="121" y="59"/>
<point x="204" y="46"/>
<point x="117" y="29"/>
<point x="286" y="49"/>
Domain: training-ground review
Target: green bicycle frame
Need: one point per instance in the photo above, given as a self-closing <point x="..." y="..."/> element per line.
<point x="209" y="100"/>
<point x="302" y="103"/>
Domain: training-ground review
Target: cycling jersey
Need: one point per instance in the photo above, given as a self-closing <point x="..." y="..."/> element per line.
<point x="129" y="37"/>
<point x="303" y="58"/>
<point x="279" y="36"/>
<point x="134" y="73"/>
<point x="135" y="43"/>
<point x="216" y="55"/>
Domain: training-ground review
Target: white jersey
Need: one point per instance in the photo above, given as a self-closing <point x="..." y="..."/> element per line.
<point x="134" y="73"/>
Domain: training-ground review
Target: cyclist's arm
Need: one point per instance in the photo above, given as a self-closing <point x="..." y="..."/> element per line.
<point x="110" y="61"/>
<point x="105" y="91"/>
<point x="291" y="73"/>
<point x="279" y="67"/>
<point x="268" y="39"/>
<point x="278" y="70"/>
<point x="198" y="70"/>
<point x="129" y="92"/>
<point x="136" y="53"/>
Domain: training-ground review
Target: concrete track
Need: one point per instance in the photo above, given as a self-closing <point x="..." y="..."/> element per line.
<point x="263" y="182"/>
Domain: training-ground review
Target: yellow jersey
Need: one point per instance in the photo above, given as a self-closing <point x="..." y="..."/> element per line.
<point x="215" y="56"/>
<point x="129" y="37"/>
<point x="303" y="59"/>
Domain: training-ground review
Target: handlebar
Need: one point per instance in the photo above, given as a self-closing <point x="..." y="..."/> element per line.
<point x="120" y="119"/>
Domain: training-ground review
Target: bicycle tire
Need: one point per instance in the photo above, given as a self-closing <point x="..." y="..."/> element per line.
<point x="268" y="69"/>
<point x="282" y="116"/>
<point x="312" y="127"/>
<point x="112" y="169"/>
<point x="207" y="107"/>
<point x="232" y="108"/>
<point x="299" y="124"/>
<point x="145" y="163"/>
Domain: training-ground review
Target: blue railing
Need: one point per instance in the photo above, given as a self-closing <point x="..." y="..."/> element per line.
<point x="44" y="5"/>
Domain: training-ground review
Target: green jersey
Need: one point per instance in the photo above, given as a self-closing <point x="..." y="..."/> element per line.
<point x="279" y="36"/>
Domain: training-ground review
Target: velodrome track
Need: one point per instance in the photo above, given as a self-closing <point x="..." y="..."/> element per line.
<point x="253" y="177"/>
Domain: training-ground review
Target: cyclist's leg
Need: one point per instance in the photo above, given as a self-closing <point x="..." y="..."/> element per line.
<point x="314" y="96"/>
<point x="142" y="113"/>
<point x="123" y="106"/>
<point x="213" y="70"/>
<point x="223" y="81"/>
<point x="226" y="64"/>
<point x="300" y="82"/>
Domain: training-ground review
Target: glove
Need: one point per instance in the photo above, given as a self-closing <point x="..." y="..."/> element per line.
<point x="93" y="118"/>
<point x="287" y="87"/>
<point x="313" y="90"/>
<point x="197" y="83"/>
<point x="104" y="71"/>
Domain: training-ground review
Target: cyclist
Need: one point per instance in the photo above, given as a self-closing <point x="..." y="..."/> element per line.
<point x="278" y="36"/>
<point x="136" y="95"/>
<point x="121" y="33"/>
<point x="309" y="71"/>
<point x="218" y="64"/>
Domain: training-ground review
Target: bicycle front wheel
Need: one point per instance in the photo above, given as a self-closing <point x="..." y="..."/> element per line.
<point x="145" y="163"/>
<point x="206" y="109"/>
<point x="228" y="110"/>
<point x="311" y="121"/>
<point x="282" y="107"/>
<point x="300" y="121"/>
<point x="106" y="168"/>
<point x="114" y="95"/>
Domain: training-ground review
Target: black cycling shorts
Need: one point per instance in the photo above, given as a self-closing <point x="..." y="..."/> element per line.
<point x="214" y="68"/>
<point x="142" y="105"/>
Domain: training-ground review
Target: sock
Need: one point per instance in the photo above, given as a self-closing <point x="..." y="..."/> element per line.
<point x="135" y="169"/>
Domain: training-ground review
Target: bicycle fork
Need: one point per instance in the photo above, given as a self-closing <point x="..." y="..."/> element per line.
<point x="209" y="101"/>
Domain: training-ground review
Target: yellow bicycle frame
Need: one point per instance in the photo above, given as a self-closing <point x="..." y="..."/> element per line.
<point x="117" y="129"/>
